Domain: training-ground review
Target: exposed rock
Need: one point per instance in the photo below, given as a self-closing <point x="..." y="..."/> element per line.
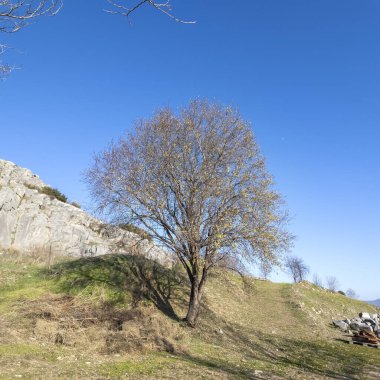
<point x="33" y="221"/>
<point x="341" y="324"/>
<point x="364" y="315"/>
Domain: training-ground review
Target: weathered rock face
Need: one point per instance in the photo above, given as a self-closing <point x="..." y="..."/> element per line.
<point x="32" y="221"/>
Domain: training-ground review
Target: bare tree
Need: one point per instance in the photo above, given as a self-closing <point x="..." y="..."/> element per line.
<point x="296" y="268"/>
<point x="332" y="283"/>
<point x="265" y="269"/>
<point x="317" y="280"/>
<point x="124" y="10"/>
<point x="197" y="182"/>
<point x="351" y="293"/>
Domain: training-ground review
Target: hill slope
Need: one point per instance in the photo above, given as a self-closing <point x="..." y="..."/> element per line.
<point x="118" y="316"/>
<point x="376" y="302"/>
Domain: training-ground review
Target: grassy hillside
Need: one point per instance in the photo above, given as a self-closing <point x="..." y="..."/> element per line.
<point x="119" y="317"/>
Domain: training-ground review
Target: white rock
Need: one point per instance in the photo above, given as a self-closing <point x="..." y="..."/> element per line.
<point x="33" y="222"/>
<point x="364" y="315"/>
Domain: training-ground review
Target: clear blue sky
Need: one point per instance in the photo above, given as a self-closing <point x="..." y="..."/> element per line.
<point x="306" y="73"/>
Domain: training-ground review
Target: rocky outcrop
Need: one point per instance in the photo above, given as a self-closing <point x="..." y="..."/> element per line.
<point x="33" y="221"/>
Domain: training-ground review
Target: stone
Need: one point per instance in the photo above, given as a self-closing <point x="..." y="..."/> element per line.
<point x="341" y="324"/>
<point x="364" y="315"/>
<point x="369" y="321"/>
<point x="365" y="327"/>
<point x="360" y="327"/>
<point x="34" y="222"/>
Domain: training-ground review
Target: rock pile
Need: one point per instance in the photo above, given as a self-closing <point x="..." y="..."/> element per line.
<point x="365" y="322"/>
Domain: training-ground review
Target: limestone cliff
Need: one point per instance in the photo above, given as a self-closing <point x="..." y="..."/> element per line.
<point x="33" y="221"/>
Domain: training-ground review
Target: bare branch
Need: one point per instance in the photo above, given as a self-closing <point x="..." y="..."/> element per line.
<point x="5" y="69"/>
<point x="16" y="14"/>
<point x="164" y="8"/>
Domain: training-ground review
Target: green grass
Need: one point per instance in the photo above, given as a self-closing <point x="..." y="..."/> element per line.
<point x="120" y="317"/>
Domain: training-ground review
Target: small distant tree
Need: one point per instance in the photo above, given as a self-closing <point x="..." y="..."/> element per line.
<point x="332" y="283"/>
<point x="198" y="184"/>
<point x="265" y="269"/>
<point x="317" y="280"/>
<point x="351" y="293"/>
<point x="296" y="268"/>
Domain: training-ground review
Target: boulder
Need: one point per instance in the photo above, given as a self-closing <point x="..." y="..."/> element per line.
<point x="364" y="315"/>
<point x="341" y="324"/>
<point x="369" y="321"/>
<point x="355" y="326"/>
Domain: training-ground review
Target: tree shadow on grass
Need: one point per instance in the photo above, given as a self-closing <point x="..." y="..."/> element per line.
<point x="134" y="275"/>
<point x="279" y="353"/>
<point x="144" y="279"/>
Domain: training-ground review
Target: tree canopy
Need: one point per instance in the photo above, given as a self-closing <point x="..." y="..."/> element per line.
<point x="196" y="181"/>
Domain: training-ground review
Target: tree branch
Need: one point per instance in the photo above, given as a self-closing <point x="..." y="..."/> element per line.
<point x="165" y="8"/>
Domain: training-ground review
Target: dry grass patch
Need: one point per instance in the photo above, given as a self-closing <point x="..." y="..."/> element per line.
<point x="102" y="329"/>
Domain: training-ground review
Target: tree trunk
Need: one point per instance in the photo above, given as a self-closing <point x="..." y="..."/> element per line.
<point x="195" y="299"/>
<point x="194" y="303"/>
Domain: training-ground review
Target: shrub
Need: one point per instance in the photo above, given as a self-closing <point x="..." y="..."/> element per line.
<point x="76" y="204"/>
<point x="32" y="187"/>
<point x="136" y="230"/>
<point x="53" y="193"/>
